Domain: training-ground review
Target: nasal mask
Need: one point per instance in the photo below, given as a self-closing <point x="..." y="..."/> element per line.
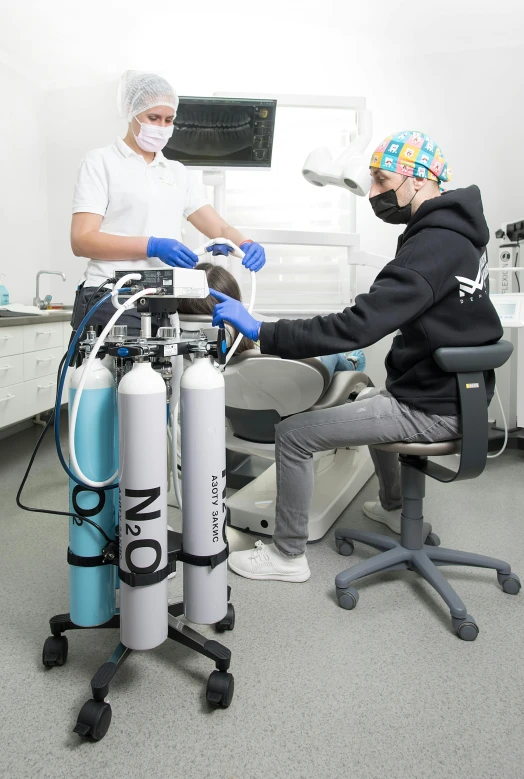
<point x="151" y="137"/>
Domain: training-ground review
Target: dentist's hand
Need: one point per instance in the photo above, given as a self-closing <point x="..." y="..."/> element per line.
<point x="171" y="252"/>
<point x="255" y="256"/>
<point x="233" y="311"/>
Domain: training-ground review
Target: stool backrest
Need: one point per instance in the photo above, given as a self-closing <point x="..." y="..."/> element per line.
<point x="469" y="364"/>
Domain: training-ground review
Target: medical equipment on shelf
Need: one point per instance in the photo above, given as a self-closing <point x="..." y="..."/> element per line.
<point x="513" y="231"/>
<point x="131" y="473"/>
<point x="508" y="272"/>
<point x="507" y="296"/>
<point x="510" y="377"/>
<point x="510" y="308"/>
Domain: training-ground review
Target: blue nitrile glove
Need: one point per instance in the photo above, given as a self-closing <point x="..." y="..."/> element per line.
<point x="220" y="248"/>
<point x="233" y="311"/>
<point x="171" y="252"/>
<point x="255" y="256"/>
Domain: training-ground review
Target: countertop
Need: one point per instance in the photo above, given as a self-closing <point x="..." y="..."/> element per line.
<point x="36" y="319"/>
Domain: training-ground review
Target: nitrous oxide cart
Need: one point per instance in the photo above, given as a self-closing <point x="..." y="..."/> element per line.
<point x="124" y="397"/>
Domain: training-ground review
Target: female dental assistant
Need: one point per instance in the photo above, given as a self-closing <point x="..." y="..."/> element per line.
<point x="129" y="201"/>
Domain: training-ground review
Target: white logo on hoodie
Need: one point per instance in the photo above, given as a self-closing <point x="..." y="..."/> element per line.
<point x="468" y="286"/>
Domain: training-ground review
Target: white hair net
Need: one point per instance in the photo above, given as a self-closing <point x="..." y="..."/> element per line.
<point x="139" y="91"/>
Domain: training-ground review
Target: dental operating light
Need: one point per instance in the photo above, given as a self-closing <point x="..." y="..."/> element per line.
<point x="350" y="170"/>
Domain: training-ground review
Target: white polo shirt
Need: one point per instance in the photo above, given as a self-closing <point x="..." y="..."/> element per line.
<point x="135" y="198"/>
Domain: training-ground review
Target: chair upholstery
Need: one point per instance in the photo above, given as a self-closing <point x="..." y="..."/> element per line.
<point x="422" y="450"/>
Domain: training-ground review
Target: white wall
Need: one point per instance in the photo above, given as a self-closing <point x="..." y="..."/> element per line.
<point x="23" y="186"/>
<point x="77" y="121"/>
<point x="470" y="102"/>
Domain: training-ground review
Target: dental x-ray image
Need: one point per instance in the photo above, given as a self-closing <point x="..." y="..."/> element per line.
<point x="223" y="132"/>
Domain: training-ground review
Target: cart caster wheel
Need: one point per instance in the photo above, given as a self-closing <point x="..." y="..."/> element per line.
<point x="55" y="651"/>
<point x="220" y="688"/>
<point x="347" y="598"/>
<point x="466" y="629"/>
<point x="510" y="583"/>
<point x="94" y="720"/>
<point x="228" y="622"/>
<point x="344" y="548"/>
<point x="432" y="540"/>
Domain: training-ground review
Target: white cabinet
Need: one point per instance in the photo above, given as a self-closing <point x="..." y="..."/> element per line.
<point x="29" y="360"/>
<point x="12" y="407"/>
<point x="42" y="363"/>
<point x="39" y="395"/>
<point x="11" y="369"/>
<point x="43" y="336"/>
<point x="11" y="341"/>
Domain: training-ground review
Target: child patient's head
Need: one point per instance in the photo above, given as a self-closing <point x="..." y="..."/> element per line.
<point x="223" y="281"/>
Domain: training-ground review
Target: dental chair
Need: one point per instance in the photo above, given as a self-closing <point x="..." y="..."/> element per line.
<point x="412" y="553"/>
<point x="261" y="390"/>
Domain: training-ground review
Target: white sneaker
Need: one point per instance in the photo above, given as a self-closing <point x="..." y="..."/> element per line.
<point x="267" y="562"/>
<point x="374" y="510"/>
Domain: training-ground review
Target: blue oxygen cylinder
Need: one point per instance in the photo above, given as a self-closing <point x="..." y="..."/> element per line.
<point x="92" y="589"/>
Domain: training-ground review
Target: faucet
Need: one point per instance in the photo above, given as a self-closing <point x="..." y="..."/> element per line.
<point x="36" y="300"/>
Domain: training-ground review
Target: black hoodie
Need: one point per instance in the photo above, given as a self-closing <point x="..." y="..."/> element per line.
<point x="435" y="293"/>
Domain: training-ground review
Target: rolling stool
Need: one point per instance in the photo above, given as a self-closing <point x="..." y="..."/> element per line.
<point x="411" y="553"/>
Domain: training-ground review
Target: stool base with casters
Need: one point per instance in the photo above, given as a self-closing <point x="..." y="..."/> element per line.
<point x="418" y="549"/>
<point x="95" y="715"/>
<point x="471" y="366"/>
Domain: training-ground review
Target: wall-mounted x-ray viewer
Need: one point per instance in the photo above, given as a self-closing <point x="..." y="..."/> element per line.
<point x="223" y="132"/>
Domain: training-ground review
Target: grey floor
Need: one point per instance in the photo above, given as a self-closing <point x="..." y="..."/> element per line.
<point x="384" y="692"/>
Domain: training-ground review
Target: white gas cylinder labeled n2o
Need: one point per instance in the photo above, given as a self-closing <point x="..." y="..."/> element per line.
<point x="203" y="459"/>
<point x="143" y="505"/>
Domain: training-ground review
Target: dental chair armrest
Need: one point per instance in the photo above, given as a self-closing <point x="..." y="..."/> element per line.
<point x="342" y="385"/>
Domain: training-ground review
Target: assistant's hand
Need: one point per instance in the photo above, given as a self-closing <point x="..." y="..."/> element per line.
<point x="255" y="256"/>
<point x="234" y="312"/>
<point x="171" y="252"/>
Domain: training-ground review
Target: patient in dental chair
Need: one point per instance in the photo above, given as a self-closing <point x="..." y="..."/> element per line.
<point x="223" y="281"/>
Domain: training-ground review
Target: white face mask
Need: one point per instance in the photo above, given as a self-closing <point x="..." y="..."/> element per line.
<point x="151" y="137"/>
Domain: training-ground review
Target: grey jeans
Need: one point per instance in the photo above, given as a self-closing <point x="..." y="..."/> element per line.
<point x="374" y="418"/>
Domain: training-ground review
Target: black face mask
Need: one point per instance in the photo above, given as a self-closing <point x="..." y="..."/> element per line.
<point x="386" y="207"/>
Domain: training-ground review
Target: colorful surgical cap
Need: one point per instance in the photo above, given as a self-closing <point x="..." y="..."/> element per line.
<point x="412" y="153"/>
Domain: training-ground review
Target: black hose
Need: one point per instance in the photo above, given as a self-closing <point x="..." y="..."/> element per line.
<point x="76" y="517"/>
